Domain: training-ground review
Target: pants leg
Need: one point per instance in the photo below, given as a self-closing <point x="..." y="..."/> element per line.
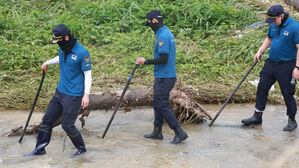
<point x="284" y="75"/>
<point x="45" y="130"/>
<point x="54" y="110"/>
<point x="162" y="90"/>
<point x="159" y="119"/>
<point x="71" y="107"/>
<point x="267" y="79"/>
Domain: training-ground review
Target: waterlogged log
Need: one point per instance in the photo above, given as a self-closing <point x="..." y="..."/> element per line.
<point x="184" y="107"/>
<point x="133" y="97"/>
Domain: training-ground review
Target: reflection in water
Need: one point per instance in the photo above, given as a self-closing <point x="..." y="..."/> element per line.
<point x="226" y="144"/>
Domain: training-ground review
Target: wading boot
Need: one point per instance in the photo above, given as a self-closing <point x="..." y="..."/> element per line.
<point x="156" y="134"/>
<point x="180" y="135"/>
<point x="43" y="139"/>
<point x="256" y="119"/>
<point x="292" y="124"/>
<point x="79" y="144"/>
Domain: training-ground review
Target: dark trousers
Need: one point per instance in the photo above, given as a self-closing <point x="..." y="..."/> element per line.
<point x="68" y="107"/>
<point x="162" y="88"/>
<point x="282" y="72"/>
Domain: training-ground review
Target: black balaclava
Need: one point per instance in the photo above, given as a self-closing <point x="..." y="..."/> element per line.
<point x="154" y="14"/>
<point x="284" y="19"/>
<point x="156" y="26"/>
<point x="67" y="46"/>
<point x="59" y="34"/>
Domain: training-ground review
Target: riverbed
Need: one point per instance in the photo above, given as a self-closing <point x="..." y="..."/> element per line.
<point x="227" y="144"/>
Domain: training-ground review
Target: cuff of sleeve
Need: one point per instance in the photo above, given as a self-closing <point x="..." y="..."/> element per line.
<point x="86" y="69"/>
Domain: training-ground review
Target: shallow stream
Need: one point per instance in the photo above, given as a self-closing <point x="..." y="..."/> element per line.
<point x="227" y="144"/>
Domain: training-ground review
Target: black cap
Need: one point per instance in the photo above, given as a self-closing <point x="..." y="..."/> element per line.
<point x="59" y="32"/>
<point x="274" y="12"/>
<point x="153" y="14"/>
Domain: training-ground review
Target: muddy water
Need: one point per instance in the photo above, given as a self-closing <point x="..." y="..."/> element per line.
<point x="226" y="144"/>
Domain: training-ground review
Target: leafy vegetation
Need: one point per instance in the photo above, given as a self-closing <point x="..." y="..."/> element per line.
<point x="211" y="55"/>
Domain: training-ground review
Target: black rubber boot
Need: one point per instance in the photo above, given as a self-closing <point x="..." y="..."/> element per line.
<point x="292" y="124"/>
<point x="180" y="135"/>
<point x="256" y="119"/>
<point x="156" y="134"/>
<point x="43" y="139"/>
<point x="79" y="144"/>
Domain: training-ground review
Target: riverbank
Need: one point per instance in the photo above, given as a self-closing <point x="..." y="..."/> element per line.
<point x="214" y="41"/>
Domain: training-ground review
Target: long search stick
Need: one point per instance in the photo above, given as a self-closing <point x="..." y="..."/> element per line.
<point x="231" y="95"/>
<point x="33" y="105"/>
<point x="120" y="100"/>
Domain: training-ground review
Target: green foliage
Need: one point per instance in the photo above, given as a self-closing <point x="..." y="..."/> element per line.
<point x="113" y="32"/>
<point x="25" y="26"/>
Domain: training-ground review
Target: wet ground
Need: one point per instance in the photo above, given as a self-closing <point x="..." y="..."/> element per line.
<point x="225" y="145"/>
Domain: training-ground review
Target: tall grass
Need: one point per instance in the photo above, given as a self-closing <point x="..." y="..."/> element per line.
<point x="113" y="32"/>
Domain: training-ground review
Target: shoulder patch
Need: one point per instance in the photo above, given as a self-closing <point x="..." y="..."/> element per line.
<point x="161" y="43"/>
<point x="86" y="59"/>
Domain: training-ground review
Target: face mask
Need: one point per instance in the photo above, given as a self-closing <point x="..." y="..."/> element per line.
<point x="67" y="46"/>
<point x="284" y="19"/>
<point x="155" y="26"/>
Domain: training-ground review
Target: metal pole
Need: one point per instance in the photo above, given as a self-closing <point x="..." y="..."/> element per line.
<point x="120" y="100"/>
<point x="231" y="95"/>
<point x="33" y="105"/>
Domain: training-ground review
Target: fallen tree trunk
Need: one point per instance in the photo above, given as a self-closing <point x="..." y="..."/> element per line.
<point x="181" y="101"/>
